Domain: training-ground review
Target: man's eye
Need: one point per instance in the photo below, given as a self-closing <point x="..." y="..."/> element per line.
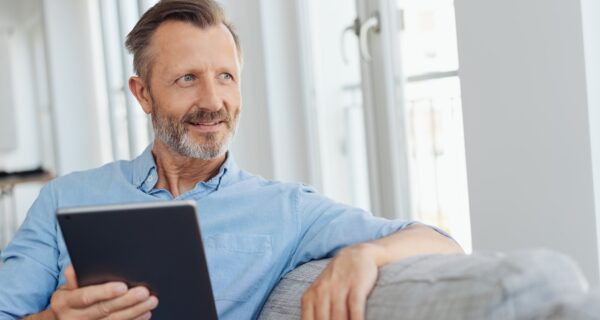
<point x="226" y="76"/>
<point x="188" y="78"/>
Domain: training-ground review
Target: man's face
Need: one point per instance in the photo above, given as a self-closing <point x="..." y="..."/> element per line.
<point x="195" y="88"/>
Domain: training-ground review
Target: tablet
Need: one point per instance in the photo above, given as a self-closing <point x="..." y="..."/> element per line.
<point x="157" y="245"/>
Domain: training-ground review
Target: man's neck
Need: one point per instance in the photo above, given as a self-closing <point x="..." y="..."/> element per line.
<point x="179" y="174"/>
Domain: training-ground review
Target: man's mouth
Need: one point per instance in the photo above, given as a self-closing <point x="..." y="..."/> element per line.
<point x="204" y="127"/>
<point x="207" y="124"/>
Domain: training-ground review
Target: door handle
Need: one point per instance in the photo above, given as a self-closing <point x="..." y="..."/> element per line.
<point x="371" y="24"/>
<point x="355" y="28"/>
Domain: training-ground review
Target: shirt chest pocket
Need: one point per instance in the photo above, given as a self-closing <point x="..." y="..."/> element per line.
<point x="237" y="263"/>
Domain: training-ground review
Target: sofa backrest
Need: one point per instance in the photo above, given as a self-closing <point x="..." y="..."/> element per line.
<point x="522" y="285"/>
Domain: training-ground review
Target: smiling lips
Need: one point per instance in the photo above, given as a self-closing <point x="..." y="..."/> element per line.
<point x="206" y="126"/>
<point x="206" y="123"/>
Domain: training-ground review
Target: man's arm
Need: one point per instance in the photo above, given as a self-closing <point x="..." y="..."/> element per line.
<point x="416" y="239"/>
<point x="30" y="274"/>
<point x="342" y="289"/>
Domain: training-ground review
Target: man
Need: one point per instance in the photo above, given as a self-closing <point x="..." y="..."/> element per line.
<point x="187" y="61"/>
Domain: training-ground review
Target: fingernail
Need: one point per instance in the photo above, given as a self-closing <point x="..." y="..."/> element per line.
<point x="153" y="302"/>
<point x="119" y="288"/>
<point x="141" y="293"/>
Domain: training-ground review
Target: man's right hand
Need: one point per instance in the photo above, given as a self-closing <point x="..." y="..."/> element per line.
<point x="112" y="301"/>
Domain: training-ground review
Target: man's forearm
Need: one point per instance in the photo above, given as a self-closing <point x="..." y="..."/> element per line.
<point x="414" y="240"/>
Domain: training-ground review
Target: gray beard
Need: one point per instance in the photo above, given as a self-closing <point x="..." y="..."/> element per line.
<point x="175" y="135"/>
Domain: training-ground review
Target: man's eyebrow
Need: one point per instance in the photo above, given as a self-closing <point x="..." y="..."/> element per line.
<point x="178" y="70"/>
<point x="196" y="70"/>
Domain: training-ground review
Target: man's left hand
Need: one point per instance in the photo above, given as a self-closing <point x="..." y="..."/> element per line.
<point x="341" y="291"/>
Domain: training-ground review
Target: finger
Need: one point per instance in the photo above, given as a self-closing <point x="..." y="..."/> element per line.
<point x="87" y="296"/>
<point x="356" y="305"/>
<point x="130" y="299"/>
<point x="145" y="316"/>
<point x="322" y="307"/>
<point x="307" y="308"/>
<point x="139" y="310"/>
<point x="71" y="278"/>
<point x="339" y="307"/>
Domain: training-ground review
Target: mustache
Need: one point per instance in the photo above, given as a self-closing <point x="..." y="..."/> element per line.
<point x="203" y="116"/>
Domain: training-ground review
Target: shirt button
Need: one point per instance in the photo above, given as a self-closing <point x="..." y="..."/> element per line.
<point x="150" y="178"/>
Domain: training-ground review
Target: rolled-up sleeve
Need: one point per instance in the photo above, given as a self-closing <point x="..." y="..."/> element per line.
<point x="325" y="226"/>
<point x="29" y="273"/>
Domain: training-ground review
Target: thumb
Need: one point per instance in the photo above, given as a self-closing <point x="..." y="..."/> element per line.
<point x="71" y="278"/>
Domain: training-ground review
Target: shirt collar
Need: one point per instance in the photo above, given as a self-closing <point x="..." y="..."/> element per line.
<point x="145" y="175"/>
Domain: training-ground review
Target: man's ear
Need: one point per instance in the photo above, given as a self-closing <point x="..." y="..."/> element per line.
<point x="141" y="93"/>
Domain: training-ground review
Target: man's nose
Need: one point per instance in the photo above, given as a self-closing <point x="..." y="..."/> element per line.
<point x="208" y="97"/>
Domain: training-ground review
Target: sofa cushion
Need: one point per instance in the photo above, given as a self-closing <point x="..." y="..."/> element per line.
<point x="519" y="285"/>
<point x="577" y="307"/>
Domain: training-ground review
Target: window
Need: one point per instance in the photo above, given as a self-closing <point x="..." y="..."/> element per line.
<point x="433" y="113"/>
<point x="412" y="78"/>
<point x="336" y="106"/>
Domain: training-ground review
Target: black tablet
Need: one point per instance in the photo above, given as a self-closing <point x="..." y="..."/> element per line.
<point x="157" y="245"/>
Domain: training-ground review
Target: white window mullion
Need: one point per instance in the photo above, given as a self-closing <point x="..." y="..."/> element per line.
<point x="127" y="15"/>
<point x="382" y="89"/>
<point x="103" y="10"/>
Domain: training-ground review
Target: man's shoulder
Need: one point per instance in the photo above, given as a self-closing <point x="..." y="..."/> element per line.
<point x="98" y="176"/>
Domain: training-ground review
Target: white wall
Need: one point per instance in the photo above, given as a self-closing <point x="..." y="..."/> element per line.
<point x="18" y="72"/>
<point x="7" y="117"/>
<point x="251" y="147"/>
<point x="73" y="84"/>
<point x="51" y="85"/>
<point x="285" y="92"/>
<point x="591" y="24"/>
<point x="22" y="18"/>
<point x="527" y="134"/>
<point x="271" y="140"/>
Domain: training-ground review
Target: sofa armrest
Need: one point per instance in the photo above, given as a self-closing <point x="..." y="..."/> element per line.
<point x="519" y="285"/>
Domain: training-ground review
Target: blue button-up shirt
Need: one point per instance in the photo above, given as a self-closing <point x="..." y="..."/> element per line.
<point x="247" y="223"/>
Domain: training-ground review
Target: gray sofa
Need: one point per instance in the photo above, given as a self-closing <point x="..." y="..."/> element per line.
<point x="537" y="284"/>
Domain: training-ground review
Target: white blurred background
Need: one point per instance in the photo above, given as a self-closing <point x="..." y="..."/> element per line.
<point x="393" y="126"/>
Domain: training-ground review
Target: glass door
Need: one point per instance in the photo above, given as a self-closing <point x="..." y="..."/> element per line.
<point x="414" y="115"/>
<point x="384" y="106"/>
<point x="335" y="100"/>
<point x="382" y="88"/>
<point x="433" y="113"/>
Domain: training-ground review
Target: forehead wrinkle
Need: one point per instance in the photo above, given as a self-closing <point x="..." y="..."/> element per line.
<point x="215" y="48"/>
